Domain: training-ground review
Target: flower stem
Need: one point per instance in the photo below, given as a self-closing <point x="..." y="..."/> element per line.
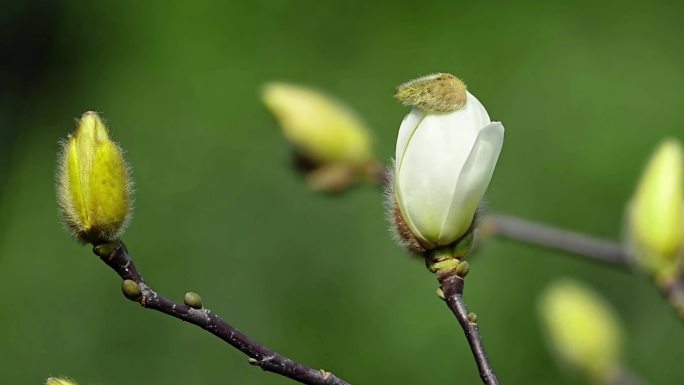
<point x="452" y="288"/>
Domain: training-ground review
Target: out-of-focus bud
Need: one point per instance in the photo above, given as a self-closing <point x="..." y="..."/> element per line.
<point x="582" y="329"/>
<point x="332" y="146"/>
<point x="59" y="381"/>
<point x="655" y="228"/>
<point x="94" y="189"/>
<point x="446" y="152"/>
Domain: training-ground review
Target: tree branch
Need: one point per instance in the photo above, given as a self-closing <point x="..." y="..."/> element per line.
<point x="549" y="237"/>
<point x="116" y="256"/>
<point x="571" y="242"/>
<point x="452" y="287"/>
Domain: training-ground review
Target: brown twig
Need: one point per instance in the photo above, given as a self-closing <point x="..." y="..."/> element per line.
<point x="116" y="256"/>
<point x="452" y="288"/>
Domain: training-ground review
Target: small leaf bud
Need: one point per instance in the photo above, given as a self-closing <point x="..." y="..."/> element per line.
<point x="131" y="290"/>
<point x="193" y="300"/>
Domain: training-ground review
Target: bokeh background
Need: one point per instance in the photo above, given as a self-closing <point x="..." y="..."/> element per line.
<point x="585" y="89"/>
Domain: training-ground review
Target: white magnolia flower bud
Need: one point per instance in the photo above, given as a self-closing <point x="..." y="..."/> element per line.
<point x="443" y="165"/>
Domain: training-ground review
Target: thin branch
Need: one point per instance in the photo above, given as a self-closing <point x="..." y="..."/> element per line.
<point x="549" y="237"/>
<point x="116" y="256"/>
<point x="595" y="249"/>
<point x="452" y="287"/>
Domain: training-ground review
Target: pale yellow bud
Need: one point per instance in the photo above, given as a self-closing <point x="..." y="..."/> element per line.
<point x="59" y="381"/>
<point x="321" y="128"/>
<point x="582" y="329"/>
<point x="94" y="189"/>
<point x="656" y="213"/>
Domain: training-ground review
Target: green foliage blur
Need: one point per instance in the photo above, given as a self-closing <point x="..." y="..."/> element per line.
<point x="585" y="89"/>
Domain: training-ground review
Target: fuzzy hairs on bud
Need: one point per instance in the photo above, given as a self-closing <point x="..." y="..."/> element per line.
<point x="401" y="232"/>
<point x="440" y="92"/>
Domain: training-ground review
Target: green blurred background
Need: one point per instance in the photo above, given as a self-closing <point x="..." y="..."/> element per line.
<point x="585" y="90"/>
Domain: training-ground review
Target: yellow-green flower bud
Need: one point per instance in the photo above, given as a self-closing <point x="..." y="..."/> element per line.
<point x="656" y="214"/>
<point x="93" y="184"/>
<point x="59" y="381"/>
<point x="327" y="135"/>
<point x="582" y="329"/>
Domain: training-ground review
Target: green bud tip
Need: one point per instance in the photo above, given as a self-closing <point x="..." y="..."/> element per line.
<point x="131" y="290"/>
<point x="193" y="300"/>
<point x="472" y="318"/>
<point x="440" y="293"/>
<point x="105" y="250"/>
<point x="462" y="269"/>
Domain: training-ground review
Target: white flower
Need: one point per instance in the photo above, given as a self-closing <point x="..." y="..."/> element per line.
<point x="443" y="165"/>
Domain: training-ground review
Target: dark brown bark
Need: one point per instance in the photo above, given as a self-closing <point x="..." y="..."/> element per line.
<point x="116" y="256"/>
<point x="452" y="287"/>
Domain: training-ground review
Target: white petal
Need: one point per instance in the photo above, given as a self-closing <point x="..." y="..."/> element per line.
<point x="407" y="128"/>
<point x="472" y="183"/>
<point x="430" y="166"/>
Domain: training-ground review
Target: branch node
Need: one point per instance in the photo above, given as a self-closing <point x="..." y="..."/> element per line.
<point x="462" y="269"/>
<point x="326" y="375"/>
<point x="106" y="251"/>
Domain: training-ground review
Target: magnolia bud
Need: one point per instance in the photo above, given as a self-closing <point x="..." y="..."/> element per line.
<point x="93" y="185"/>
<point x="582" y="329"/>
<point x="330" y="141"/>
<point x="444" y="162"/>
<point x="655" y="228"/>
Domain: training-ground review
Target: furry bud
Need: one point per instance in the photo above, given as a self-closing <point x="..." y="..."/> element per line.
<point x="93" y="184"/>
<point x="655" y="226"/>
<point x="329" y="139"/>
<point x="582" y="329"/>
